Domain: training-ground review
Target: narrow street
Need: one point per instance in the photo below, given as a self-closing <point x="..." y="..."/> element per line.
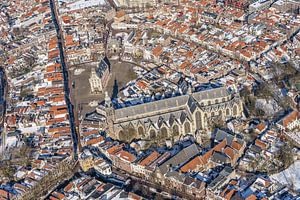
<point x="3" y="98"/>
<point x="66" y="78"/>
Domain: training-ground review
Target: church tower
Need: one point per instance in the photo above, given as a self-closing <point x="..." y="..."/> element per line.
<point x="110" y="115"/>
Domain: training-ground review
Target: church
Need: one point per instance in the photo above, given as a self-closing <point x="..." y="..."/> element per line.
<point x="100" y="76"/>
<point x="172" y="117"/>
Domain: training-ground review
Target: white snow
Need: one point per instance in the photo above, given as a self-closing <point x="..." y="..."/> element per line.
<point x="290" y="176"/>
<point x="268" y="106"/>
<point x="82" y="4"/>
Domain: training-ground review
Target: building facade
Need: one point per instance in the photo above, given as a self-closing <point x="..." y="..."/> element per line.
<point x="172" y="117"/>
<point x="100" y="76"/>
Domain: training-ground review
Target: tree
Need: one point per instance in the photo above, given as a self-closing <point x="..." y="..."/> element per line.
<point x="8" y="171"/>
<point x="260" y="112"/>
<point x="263" y="90"/>
<point x="285" y="155"/>
<point x="30" y="60"/>
<point x="25" y="92"/>
<point x="282" y="71"/>
<point x="249" y="100"/>
<point x="285" y="102"/>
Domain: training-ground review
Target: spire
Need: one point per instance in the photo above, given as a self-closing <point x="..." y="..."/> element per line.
<point x="190" y="89"/>
<point x="180" y="91"/>
<point x="107" y="100"/>
<point x="173" y="93"/>
<point x="153" y="97"/>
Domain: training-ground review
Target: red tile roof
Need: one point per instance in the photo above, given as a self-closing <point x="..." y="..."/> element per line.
<point x="153" y="156"/>
<point x="95" y="140"/>
<point x="157" y="51"/>
<point x="125" y="155"/>
<point x="290" y="118"/>
<point x="192" y="165"/>
<point x="251" y="197"/>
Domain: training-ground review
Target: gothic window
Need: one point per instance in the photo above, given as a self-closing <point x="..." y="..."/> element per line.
<point x="220" y="113"/>
<point x="198" y="120"/>
<point x="212" y="114"/>
<point x="187" y="128"/>
<point x="152" y="134"/>
<point x="208" y="103"/>
<point x="227" y="112"/>
<point x="141" y="131"/>
<point x="234" y="110"/>
<point x="223" y="99"/>
<point x="217" y="101"/>
<point x="175" y="130"/>
<point x="131" y="131"/>
<point x="122" y="136"/>
<point x="164" y="132"/>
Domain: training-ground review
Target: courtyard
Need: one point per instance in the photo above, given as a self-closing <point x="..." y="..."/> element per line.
<point x="121" y="74"/>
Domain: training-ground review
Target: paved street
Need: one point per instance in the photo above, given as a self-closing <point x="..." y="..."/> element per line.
<point x="66" y="79"/>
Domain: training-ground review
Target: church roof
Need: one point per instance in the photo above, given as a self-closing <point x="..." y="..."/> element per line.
<point x="185" y="104"/>
<point x="102" y="67"/>
<point x="211" y="94"/>
<point x="156" y="107"/>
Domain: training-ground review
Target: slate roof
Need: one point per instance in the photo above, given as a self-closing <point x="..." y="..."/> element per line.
<point x="186" y="103"/>
<point x="180" y="158"/>
<point x="220" y="178"/>
<point x="102" y="67"/>
<point x="211" y="94"/>
<point x="219" y="157"/>
<point x="220" y="135"/>
<point x="94" y="116"/>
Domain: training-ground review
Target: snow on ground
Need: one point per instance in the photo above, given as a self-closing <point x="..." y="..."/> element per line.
<point x="268" y="106"/>
<point x="81" y="4"/>
<point x="290" y="176"/>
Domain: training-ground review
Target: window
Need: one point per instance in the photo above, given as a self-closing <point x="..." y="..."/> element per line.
<point x="122" y="135"/>
<point x="220" y="113"/>
<point x="141" y="131"/>
<point x="198" y="120"/>
<point x="227" y="112"/>
<point x="152" y="134"/>
<point x="212" y="114"/>
<point x="175" y="130"/>
<point x="234" y="110"/>
<point x="164" y="132"/>
<point x="187" y="128"/>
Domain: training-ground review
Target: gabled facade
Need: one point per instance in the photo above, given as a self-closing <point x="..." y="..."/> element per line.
<point x="100" y="76"/>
